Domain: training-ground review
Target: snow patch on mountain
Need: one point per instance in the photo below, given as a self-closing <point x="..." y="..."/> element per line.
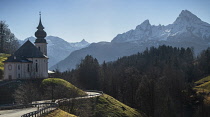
<point x="186" y="31"/>
<point x="186" y="23"/>
<point x="80" y="44"/>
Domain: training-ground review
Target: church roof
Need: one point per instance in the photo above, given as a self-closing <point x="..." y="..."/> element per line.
<point x="27" y="50"/>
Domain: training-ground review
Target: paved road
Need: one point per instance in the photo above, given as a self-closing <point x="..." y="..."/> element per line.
<point x="19" y="112"/>
<point x="16" y="112"/>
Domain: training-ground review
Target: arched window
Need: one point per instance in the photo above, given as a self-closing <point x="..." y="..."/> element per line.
<point x="39" y="48"/>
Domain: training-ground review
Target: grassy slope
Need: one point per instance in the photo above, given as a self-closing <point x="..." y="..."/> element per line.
<point x="203" y="80"/>
<point x="102" y="106"/>
<point x="203" y="85"/>
<point x="65" y="83"/>
<point x="59" y="113"/>
<point x="3" y="57"/>
<point x="6" y="91"/>
<point x="107" y="106"/>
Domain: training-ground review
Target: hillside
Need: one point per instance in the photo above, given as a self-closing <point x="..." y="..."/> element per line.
<point x="59" y="113"/>
<point x="71" y="89"/>
<point x="108" y="106"/>
<point x="102" y="106"/>
<point x="41" y="89"/>
<point x="203" y="85"/>
<point x="186" y="31"/>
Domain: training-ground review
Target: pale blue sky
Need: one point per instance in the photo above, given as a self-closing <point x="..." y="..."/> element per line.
<point x="93" y="20"/>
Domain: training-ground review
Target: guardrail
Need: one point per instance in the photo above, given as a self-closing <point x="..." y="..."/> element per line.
<point x="101" y="92"/>
<point x="15" y="106"/>
<point x="47" y="109"/>
<point x="54" y="106"/>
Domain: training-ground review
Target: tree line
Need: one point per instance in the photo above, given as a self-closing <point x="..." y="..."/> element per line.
<point x="158" y="81"/>
<point x="8" y="42"/>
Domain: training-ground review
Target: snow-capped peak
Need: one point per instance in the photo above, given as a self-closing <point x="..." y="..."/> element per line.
<point x="80" y="44"/>
<point x="144" y="26"/>
<point x="83" y="41"/>
<point x="187" y="17"/>
<point x="186" y="26"/>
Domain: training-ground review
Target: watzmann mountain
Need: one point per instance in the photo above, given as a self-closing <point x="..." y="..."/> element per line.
<point x="187" y="27"/>
<point x="186" y="31"/>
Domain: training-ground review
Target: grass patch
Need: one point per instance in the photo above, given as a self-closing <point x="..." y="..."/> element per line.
<point x="203" y="85"/>
<point x="3" y="57"/>
<point x="203" y="80"/>
<point x="102" y="106"/>
<point x="108" y="106"/>
<point x="63" y="83"/>
<point x="59" y="113"/>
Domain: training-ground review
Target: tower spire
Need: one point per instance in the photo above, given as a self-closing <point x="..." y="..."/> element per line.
<point x="40" y="26"/>
<point x="40" y="33"/>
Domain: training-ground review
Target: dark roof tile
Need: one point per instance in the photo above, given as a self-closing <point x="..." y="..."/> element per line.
<point x="28" y="50"/>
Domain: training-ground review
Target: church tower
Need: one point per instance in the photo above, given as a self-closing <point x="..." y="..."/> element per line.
<point x="29" y="61"/>
<point x="40" y="34"/>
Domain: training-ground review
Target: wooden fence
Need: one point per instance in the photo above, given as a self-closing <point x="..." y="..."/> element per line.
<point x="45" y="109"/>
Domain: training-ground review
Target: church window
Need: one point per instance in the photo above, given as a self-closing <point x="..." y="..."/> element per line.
<point x="18" y="75"/>
<point x="18" y="67"/>
<point x="10" y="77"/>
<point x="39" y="48"/>
<point x="10" y="67"/>
<point x="28" y="68"/>
<point x="36" y="67"/>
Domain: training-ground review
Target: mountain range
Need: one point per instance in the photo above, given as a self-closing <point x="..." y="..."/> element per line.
<point x="186" y="31"/>
<point x="57" y="48"/>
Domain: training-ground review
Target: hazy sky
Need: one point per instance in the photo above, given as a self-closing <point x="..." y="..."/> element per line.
<point x="93" y="20"/>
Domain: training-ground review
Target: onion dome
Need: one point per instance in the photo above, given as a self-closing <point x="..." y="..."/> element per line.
<point x="40" y="33"/>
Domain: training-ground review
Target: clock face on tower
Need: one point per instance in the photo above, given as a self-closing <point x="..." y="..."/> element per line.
<point x="10" y="67"/>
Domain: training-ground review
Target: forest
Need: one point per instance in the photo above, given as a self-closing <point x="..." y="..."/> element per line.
<point x="8" y="42"/>
<point x="158" y="81"/>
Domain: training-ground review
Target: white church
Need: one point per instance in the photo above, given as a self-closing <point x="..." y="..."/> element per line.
<point x="29" y="61"/>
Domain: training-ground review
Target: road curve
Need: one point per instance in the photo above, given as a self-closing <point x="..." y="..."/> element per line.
<point x="16" y="112"/>
<point x="20" y="112"/>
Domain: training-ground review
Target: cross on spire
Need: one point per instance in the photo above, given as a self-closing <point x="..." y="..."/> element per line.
<point x="40" y="14"/>
<point x="40" y="26"/>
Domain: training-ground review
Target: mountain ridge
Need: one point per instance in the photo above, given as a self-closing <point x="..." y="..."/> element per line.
<point x="186" y="31"/>
<point x="185" y="22"/>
